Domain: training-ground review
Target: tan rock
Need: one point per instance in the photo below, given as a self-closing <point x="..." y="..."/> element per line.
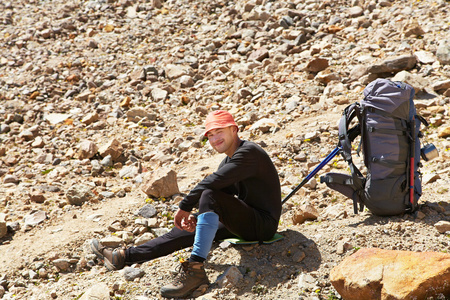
<point x="37" y="197"/>
<point x="3" y="228"/>
<point x="90" y="118"/>
<point x="161" y="183"/>
<point x="98" y="291"/>
<point x="259" y="55"/>
<point x="441" y="85"/>
<point x="111" y="241"/>
<point x="84" y="96"/>
<point x="388" y="274"/>
<point x="303" y="213"/>
<point x="176" y="71"/>
<point x="413" y="29"/>
<point x="317" y="65"/>
<point x="137" y="114"/>
<point x="156" y="3"/>
<point x="87" y="149"/>
<point x="393" y="64"/>
<point x="425" y="57"/>
<point x="113" y="148"/>
<point x="444" y="132"/>
<point x="125" y="102"/>
<point x="38" y="143"/>
<point x="416" y="81"/>
<point x="326" y="76"/>
<point x="442" y="226"/>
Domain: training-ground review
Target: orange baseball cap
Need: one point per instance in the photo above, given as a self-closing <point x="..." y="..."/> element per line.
<point x="219" y="119"/>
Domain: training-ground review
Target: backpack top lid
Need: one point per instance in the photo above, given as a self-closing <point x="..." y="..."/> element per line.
<point x="393" y="97"/>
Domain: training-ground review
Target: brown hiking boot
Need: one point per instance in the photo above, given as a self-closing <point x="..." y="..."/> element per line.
<point x="191" y="276"/>
<point x="114" y="259"/>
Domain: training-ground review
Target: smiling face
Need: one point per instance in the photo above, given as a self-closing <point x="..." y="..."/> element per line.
<point x="224" y="140"/>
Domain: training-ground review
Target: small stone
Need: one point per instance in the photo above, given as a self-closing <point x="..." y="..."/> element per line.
<point x="317" y="64"/>
<point x="394" y="64"/>
<point x="131" y="274"/>
<point x="87" y="149"/>
<point x="3" y="227"/>
<point x="111" y="241"/>
<point x="443" y="53"/>
<point x="230" y="277"/>
<point x="144" y="238"/>
<point x="11" y="179"/>
<point x="99" y="291"/>
<point x="425" y="57"/>
<point x="355" y="11"/>
<point x="37" y="197"/>
<point x="159" y="94"/>
<point x="62" y="264"/>
<point x="78" y="194"/>
<point x="113" y="148"/>
<point x="38" y="142"/>
<point x="147" y="211"/>
<point x="259" y="55"/>
<point x="35" y="218"/>
<point x="186" y="81"/>
<point x="90" y="118"/>
<point x="442" y="226"/>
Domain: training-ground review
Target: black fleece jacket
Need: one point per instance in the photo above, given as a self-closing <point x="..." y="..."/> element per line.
<point x="249" y="175"/>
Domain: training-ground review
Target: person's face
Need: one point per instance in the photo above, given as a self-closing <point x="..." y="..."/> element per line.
<point x="223" y="139"/>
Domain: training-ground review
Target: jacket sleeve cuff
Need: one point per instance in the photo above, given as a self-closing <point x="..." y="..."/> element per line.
<point x="184" y="206"/>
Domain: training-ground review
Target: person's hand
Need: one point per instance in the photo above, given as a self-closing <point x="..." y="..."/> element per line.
<point x="189" y="224"/>
<point x="184" y="220"/>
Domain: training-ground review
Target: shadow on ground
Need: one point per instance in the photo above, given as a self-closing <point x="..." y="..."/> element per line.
<point x="267" y="266"/>
<point x="432" y="213"/>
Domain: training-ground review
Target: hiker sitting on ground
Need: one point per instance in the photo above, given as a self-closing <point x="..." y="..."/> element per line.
<point x="242" y="198"/>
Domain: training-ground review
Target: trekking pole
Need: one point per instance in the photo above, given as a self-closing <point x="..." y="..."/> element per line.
<point x="352" y="134"/>
<point x="411" y="163"/>
<point x="313" y="173"/>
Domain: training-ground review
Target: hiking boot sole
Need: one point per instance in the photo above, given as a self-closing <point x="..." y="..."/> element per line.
<point x="109" y="265"/>
<point x="167" y="294"/>
<point x="94" y="247"/>
<point x="94" y="243"/>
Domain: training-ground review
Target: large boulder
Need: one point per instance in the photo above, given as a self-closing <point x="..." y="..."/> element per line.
<point x="389" y="274"/>
<point x="161" y="183"/>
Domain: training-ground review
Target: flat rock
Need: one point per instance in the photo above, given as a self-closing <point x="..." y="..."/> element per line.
<point x="393" y="64"/>
<point x="99" y="291"/>
<point x="35" y="218"/>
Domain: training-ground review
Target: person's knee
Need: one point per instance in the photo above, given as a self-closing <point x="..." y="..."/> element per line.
<point x="208" y="201"/>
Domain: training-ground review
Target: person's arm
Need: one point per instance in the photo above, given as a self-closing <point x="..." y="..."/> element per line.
<point x="241" y="166"/>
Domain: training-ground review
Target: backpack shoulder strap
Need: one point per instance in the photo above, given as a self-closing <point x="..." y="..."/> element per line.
<point x="345" y="141"/>
<point x="346" y="136"/>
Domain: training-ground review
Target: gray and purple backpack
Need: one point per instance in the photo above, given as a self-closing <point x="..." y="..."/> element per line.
<point x="390" y="141"/>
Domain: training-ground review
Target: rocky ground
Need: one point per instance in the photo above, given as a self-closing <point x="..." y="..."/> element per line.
<point x="78" y="75"/>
